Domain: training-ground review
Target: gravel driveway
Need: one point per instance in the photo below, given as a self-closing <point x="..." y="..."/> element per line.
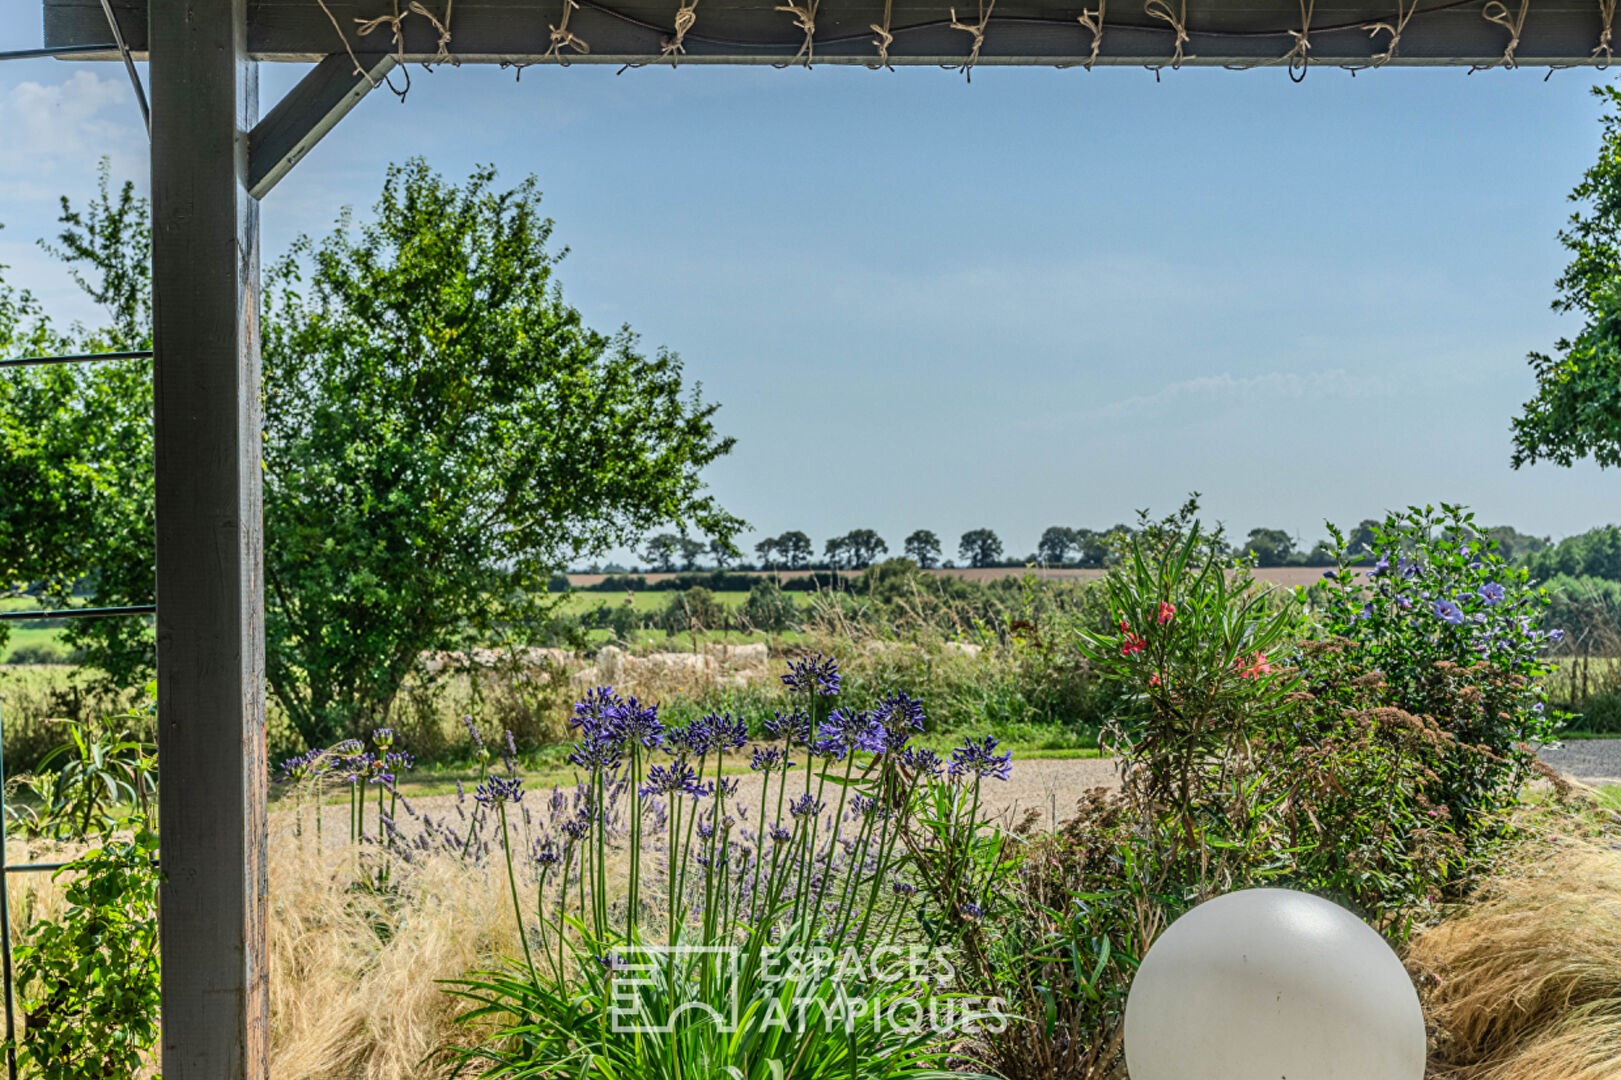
<point x="1592" y="761"/>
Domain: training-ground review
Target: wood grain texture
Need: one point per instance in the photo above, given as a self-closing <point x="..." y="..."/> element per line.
<point x="210" y="625"/>
<point x="1031" y="32"/>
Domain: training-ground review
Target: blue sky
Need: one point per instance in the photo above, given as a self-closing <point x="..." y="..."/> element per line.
<point x="1046" y="297"/>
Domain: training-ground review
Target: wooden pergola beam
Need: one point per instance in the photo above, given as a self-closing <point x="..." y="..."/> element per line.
<point x="1024" y="32"/>
<point x="210" y="617"/>
<point x="307" y="113"/>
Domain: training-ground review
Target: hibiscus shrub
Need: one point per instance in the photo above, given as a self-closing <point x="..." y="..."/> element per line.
<point x="1454" y="631"/>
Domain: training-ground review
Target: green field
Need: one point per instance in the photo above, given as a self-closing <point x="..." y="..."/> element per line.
<point x="644" y="601"/>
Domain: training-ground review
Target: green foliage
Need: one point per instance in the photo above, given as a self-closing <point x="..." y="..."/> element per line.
<point x="441" y="432"/>
<point x="1577" y="410"/>
<point x="692" y="612"/>
<point x="88" y="982"/>
<point x="1593" y="554"/>
<point x="768" y="608"/>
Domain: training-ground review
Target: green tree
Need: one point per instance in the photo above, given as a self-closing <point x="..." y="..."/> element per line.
<point x="1270" y="547"/>
<point x="861" y="547"/>
<point x="1593" y="554"/>
<point x="1056" y="544"/>
<point x="662" y="552"/>
<point x="441" y="432"/>
<point x="1576" y="412"/>
<point x="979" y="547"/>
<point x="766" y="551"/>
<point x="794" y="548"/>
<point x="923" y="548"/>
<point x="691" y="551"/>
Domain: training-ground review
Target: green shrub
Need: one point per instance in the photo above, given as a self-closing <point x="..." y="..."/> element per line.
<point x="768" y="608"/>
<point x="87" y="982"/>
<point x="693" y="611"/>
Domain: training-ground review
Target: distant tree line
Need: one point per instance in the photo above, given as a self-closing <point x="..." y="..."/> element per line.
<point x="1059" y="546"/>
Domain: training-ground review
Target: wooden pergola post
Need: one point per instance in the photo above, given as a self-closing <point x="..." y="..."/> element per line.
<point x="210" y="623"/>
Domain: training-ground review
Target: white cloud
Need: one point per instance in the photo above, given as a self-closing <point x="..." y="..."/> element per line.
<point x="76" y="120"/>
<point x="1206" y="390"/>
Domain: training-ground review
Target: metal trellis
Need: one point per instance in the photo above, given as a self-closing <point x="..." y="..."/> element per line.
<point x="40" y="615"/>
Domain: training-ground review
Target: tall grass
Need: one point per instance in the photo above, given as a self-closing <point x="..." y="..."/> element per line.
<point x="1524" y="982"/>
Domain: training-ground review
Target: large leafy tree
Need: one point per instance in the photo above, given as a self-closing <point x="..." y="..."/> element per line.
<point x="441" y="431"/>
<point x="1576" y="412"/>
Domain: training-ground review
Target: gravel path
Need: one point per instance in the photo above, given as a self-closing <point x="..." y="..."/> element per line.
<point x="1050" y="785"/>
<point x="1592" y="761"/>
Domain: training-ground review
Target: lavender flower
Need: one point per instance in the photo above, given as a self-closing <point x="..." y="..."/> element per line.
<point x="978" y="758"/>
<point x="1448" y="612"/>
<point x="509" y="754"/>
<point x="813" y="675"/>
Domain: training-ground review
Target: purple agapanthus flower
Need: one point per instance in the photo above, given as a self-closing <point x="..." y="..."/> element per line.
<point x="693" y="739"/>
<point x="896" y="719"/>
<point x="921" y="762"/>
<point x="495" y="790"/>
<point x="671" y="779"/>
<point x="780" y="835"/>
<point x="1448" y="612"/>
<point x="726" y="732"/>
<point x="793" y="729"/>
<point x="972" y="910"/>
<point x="1492" y="593"/>
<point x="817" y="675"/>
<point x="770" y="758"/>
<point x="805" y="805"/>
<point x="841" y="732"/>
<point x="639" y="723"/>
<point x="978" y="757"/>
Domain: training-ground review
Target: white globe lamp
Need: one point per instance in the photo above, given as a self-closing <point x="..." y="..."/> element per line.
<point x="1272" y="984"/>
